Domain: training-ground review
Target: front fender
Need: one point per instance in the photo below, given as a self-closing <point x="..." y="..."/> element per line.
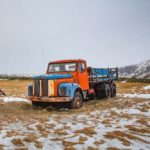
<point x="70" y="89"/>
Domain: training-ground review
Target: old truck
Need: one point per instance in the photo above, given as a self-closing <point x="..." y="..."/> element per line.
<point x="71" y="82"/>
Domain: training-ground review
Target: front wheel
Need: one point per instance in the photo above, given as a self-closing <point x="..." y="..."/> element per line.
<point x="77" y="101"/>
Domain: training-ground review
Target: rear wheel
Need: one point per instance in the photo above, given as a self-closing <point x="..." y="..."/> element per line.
<point x="103" y="90"/>
<point x="99" y="90"/>
<point x="77" y="101"/>
<point x="107" y="92"/>
<point x="113" y="90"/>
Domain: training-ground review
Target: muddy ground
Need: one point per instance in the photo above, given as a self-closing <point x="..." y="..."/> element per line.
<point x="117" y="123"/>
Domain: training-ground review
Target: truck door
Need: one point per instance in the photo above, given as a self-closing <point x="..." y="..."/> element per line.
<point x="83" y="76"/>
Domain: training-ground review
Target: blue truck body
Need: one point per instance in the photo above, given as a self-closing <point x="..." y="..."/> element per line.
<point x="104" y="74"/>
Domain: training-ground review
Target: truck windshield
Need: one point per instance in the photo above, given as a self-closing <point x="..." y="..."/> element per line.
<point x="62" y="67"/>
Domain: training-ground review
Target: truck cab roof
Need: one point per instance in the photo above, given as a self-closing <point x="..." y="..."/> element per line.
<point x="67" y="61"/>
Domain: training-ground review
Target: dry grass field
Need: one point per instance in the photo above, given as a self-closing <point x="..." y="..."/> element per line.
<point x="15" y="87"/>
<point x="19" y="87"/>
<point x="113" y="124"/>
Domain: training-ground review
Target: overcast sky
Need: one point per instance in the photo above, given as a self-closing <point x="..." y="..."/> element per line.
<point x="104" y="32"/>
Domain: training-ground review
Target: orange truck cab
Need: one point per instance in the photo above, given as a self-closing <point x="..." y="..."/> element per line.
<point x="73" y="82"/>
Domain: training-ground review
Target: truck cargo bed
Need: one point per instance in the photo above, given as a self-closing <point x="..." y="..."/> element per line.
<point x="103" y="74"/>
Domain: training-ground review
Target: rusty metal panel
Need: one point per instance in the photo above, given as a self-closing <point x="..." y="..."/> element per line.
<point x="36" y="87"/>
<point x="49" y="99"/>
<point x="44" y="87"/>
<point x="51" y="88"/>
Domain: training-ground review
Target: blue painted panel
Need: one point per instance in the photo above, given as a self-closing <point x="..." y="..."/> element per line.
<point x="105" y="74"/>
<point x="70" y="89"/>
<point x="53" y="76"/>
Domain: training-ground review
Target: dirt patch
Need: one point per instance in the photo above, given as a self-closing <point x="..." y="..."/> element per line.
<point x="82" y="139"/>
<point x="68" y="145"/>
<point x="17" y="142"/>
<point x="107" y="121"/>
<point x="143" y="121"/>
<point x="89" y="131"/>
<point x="136" y="129"/>
<point x="145" y="108"/>
<point x="11" y="133"/>
<point x="1" y="146"/>
<point x="38" y="144"/>
<point x="97" y="143"/>
<point x="92" y="148"/>
<point x="31" y="137"/>
<point x="113" y="148"/>
<point x="60" y="132"/>
<point x="124" y="137"/>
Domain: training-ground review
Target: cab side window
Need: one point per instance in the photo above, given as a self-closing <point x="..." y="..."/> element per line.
<point x="81" y="67"/>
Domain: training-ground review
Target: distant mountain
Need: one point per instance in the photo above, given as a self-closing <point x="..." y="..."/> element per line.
<point x="141" y="70"/>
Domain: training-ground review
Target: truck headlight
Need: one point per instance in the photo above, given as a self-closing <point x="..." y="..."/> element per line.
<point x="63" y="91"/>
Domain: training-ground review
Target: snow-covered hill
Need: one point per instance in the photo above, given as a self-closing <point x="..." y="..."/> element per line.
<point x="141" y="70"/>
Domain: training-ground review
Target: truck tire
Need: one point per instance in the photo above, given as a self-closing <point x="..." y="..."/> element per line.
<point x="113" y="90"/>
<point x="77" y="101"/>
<point x="99" y="90"/>
<point x="103" y="90"/>
<point x="107" y="92"/>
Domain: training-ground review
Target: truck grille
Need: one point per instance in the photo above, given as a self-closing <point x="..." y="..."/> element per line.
<point x="40" y="87"/>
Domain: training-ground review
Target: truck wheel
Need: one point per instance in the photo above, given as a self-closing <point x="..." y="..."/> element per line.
<point x="77" y="101"/>
<point x="99" y="90"/>
<point x="107" y="92"/>
<point x="113" y="90"/>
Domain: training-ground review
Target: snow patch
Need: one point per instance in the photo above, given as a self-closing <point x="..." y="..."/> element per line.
<point x="14" y="99"/>
<point x="146" y="96"/>
<point x="147" y="87"/>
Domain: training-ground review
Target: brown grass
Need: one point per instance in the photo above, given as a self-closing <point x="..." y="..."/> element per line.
<point x="31" y="137"/>
<point x="15" y="87"/>
<point x="97" y="143"/>
<point x="145" y="108"/>
<point x="92" y="148"/>
<point x="143" y="121"/>
<point x="38" y="144"/>
<point x="11" y="133"/>
<point x="69" y="145"/>
<point x="17" y="142"/>
<point x="130" y="87"/>
<point x="60" y="132"/>
<point x="107" y="121"/>
<point x="122" y="136"/>
<point x="1" y="146"/>
<point x="112" y="148"/>
<point x="82" y="139"/>
<point x="40" y="127"/>
<point x="113" y="135"/>
<point x="135" y="129"/>
<point x="89" y="131"/>
<point x="21" y="148"/>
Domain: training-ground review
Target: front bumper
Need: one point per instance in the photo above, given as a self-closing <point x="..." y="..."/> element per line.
<point x="49" y="99"/>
